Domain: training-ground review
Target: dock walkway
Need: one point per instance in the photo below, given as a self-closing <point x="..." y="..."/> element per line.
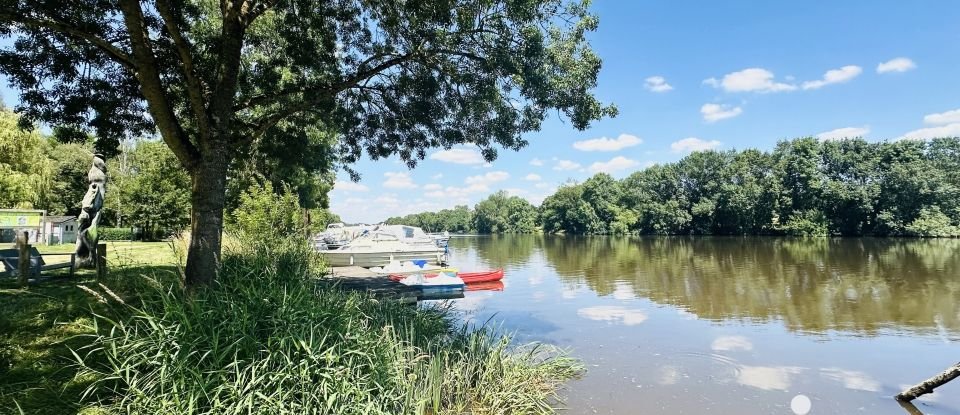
<point x="355" y="278"/>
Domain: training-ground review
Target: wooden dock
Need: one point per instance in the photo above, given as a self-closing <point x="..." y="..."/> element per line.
<point x="361" y="279"/>
<point x="355" y="278"/>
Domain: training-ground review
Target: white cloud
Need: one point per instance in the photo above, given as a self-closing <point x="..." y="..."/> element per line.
<point x="851" y="379"/>
<point x="846" y="132"/>
<point x="458" y="156"/>
<point x="543" y="185"/>
<point x="949" y="130"/>
<point x="608" y="144"/>
<point x="566" y="165"/>
<point x="513" y="191"/>
<point x="398" y="180"/>
<point x="717" y="112"/>
<point x="656" y="84"/>
<point x="896" y="65"/>
<point x="835" y="76"/>
<point x="533" y="177"/>
<point x="432" y="186"/>
<point x="615" y="164"/>
<point x="536" y="162"/>
<point x="731" y="343"/>
<point x="437" y="176"/>
<point x="947" y="117"/>
<point x="750" y="80"/>
<point x="488" y="178"/>
<point x="388" y="199"/>
<point x="767" y="377"/>
<point x="691" y="144"/>
<point x="613" y="314"/>
<point x="348" y="186"/>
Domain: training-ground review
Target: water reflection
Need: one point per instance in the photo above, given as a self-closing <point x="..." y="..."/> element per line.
<point x="730" y="325"/>
<point x="857" y="284"/>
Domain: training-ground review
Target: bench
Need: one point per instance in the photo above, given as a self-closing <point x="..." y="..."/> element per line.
<point x="10" y="259"/>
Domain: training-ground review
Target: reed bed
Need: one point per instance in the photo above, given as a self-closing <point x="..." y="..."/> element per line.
<point x="266" y="339"/>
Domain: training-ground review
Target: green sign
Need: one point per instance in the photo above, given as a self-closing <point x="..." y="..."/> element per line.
<point x="20" y="219"/>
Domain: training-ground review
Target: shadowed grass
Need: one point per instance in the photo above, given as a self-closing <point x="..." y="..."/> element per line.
<point x="39" y="326"/>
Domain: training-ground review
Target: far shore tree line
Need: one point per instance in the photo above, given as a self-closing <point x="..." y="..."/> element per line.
<point x="804" y="187"/>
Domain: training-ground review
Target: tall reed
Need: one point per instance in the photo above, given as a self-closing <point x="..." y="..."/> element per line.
<point x="267" y="339"/>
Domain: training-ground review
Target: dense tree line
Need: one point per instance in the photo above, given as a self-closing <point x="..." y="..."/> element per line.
<point x="803" y="187"/>
<point x="498" y="213"/>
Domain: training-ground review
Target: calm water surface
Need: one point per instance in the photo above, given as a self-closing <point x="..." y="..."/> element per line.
<point x="730" y="325"/>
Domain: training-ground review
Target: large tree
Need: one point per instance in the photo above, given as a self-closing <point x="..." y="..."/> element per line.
<point x="392" y="77"/>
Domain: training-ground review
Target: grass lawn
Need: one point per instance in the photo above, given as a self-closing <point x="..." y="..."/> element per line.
<point x="37" y="372"/>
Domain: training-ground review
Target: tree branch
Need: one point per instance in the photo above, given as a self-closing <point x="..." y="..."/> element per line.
<point x="152" y="88"/>
<point x="112" y="51"/>
<point x="228" y="63"/>
<point x="195" y="87"/>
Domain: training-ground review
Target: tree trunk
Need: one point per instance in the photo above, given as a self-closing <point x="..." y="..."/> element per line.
<point x="206" y="219"/>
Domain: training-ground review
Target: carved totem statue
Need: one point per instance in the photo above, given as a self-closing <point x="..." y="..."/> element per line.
<point x="87" y="237"/>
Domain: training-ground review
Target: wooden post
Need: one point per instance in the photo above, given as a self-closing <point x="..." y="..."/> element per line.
<point x="23" y="266"/>
<point x="929" y="385"/>
<point x="101" y="256"/>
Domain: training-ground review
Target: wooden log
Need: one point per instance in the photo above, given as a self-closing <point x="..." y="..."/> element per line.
<point x="101" y="255"/>
<point x="23" y="266"/>
<point x="929" y="385"/>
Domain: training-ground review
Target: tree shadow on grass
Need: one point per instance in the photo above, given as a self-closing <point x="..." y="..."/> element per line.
<point x="40" y="325"/>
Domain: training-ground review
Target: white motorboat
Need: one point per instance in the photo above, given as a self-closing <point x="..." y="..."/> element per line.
<point x="337" y="235"/>
<point x="441" y="239"/>
<point x="384" y="244"/>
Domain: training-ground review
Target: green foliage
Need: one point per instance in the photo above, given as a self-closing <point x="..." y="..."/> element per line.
<point x="933" y="222"/>
<point x="460" y="219"/>
<point x="266" y="337"/>
<point x="26" y="172"/>
<point x="806" y="223"/>
<point x="264" y="214"/>
<point x="151" y="190"/>
<point x="116" y="234"/>
<point x="803" y="187"/>
<point x="502" y="213"/>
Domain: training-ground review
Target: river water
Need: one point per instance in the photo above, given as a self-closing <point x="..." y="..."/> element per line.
<point x="718" y="325"/>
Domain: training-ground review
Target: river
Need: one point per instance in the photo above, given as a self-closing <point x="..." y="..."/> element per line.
<point x="723" y="325"/>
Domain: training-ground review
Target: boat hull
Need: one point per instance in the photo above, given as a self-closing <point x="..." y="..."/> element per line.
<point x="467" y="277"/>
<point x="345" y="258"/>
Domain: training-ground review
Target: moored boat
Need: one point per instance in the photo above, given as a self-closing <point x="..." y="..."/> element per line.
<point x="467" y="277"/>
<point x="386" y="244"/>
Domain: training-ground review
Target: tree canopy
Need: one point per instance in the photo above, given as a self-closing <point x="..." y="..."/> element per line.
<point x="219" y="80"/>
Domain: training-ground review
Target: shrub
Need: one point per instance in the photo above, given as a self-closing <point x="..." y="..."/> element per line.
<point x="263" y="213"/>
<point x="807" y="223"/>
<point x="932" y="222"/>
<point x="266" y="338"/>
<point x="116" y="234"/>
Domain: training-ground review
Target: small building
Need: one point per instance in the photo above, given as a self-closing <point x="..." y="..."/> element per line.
<point x="60" y="229"/>
<point x="14" y="222"/>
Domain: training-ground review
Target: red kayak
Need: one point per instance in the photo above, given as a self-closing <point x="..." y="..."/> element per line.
<point x="467" y="277"/>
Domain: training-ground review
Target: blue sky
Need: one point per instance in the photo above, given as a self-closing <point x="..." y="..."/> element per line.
<point x="769" y="64"/>
<point x="689" y="75"/>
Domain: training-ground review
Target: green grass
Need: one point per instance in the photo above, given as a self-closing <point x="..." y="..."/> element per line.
<point x="39" y="325"/>
<point x="265" y="339"/>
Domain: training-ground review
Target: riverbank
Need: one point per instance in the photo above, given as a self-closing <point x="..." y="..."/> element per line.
<point x="266" y="337"/>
